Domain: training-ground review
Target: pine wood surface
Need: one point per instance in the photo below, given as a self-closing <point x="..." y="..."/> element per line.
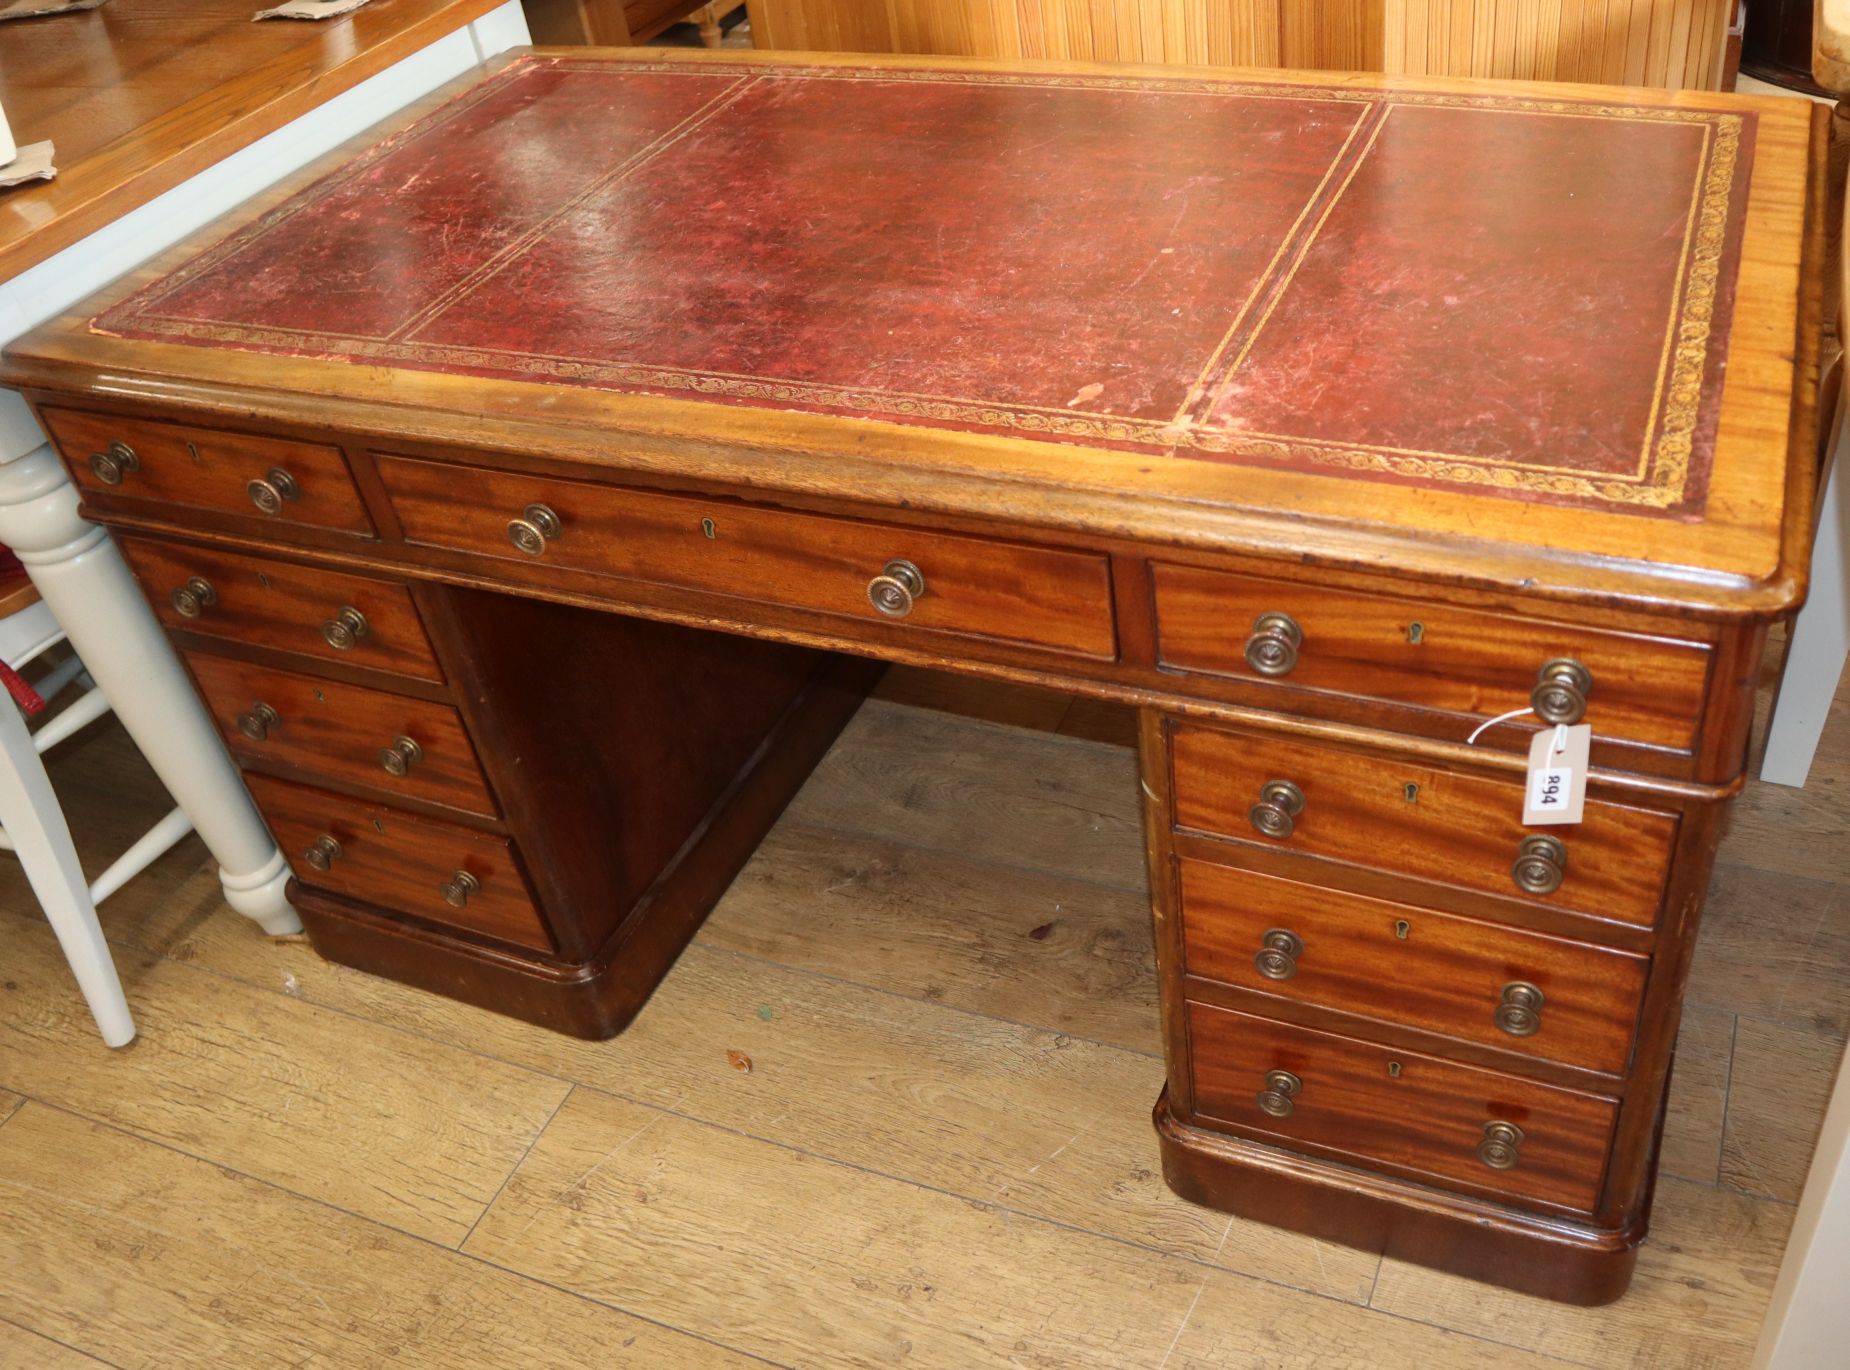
<point x="141" y="98"/>
<point x="940" y="1155"/>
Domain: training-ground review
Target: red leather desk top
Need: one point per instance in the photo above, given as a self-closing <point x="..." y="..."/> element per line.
<point x="1523" y="297"/>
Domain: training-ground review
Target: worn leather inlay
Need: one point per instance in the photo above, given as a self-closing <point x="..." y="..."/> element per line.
<point x="1525" y="298"/>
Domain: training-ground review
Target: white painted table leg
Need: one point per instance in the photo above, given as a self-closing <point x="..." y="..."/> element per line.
<point x="81" y="575"/>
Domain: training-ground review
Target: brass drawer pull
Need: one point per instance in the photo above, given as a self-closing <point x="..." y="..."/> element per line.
<point x="1273" y="647"/>
<point x="536" y="526"/>
<point x="1541" y="864"/>
<point x="114" y="462"/>
<point x="1280" y="803"/>
<point x="398" y="758"/>
<point x="895" y="589"/>
<point x="257" y="723"/>
<point x="1277" y="957"/>
<point x="1276" y="1097"/>
<point x="345" y="629"/>
<point x="1561" y="690"/>
<point x="1520" y="1011"/>
<point x="1498" y="1150"/>
<point x="193" y="598"/>
<point x="275" y="490"/>
<point x="457" y="889"/>
<point x="323" y="854"/>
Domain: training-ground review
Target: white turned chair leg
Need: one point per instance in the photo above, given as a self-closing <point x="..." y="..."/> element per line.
<point x="1820" y="638"/>
<point x="33" y="821"/>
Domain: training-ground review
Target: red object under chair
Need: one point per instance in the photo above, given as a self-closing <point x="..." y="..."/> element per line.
<point x="23" y="694"/>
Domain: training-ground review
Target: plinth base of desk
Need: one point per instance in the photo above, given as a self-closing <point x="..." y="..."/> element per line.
<point x="1533" y="1254"/>
<point x="598" y="998"/>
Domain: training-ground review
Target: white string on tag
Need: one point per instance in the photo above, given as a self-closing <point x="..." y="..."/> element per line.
<point x="1489" y="723"/>
<point x="1560" y="739"/>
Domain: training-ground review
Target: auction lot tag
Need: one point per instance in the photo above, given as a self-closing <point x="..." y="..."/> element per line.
<point x="1557" y="788"/>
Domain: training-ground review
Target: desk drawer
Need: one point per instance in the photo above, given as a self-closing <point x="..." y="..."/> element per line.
<point x="329" y="615"/>
<point x="1424" y="1116"/>
<point x="1431" y="656"/>
<point x="1415" y="967"/>
<point x="973" y="587"/>
<point x="266" y="478"/>
<point x="408" y="865"/>
<point x="381" y="741"/>
<point x="1411" y="819"/>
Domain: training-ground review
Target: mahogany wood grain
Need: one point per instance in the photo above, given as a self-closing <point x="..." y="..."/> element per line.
<point x="1056" y="425"/>
<point x="330" y="731"/>
<point x="1450" y="828"/>
<point x="1429" y="654"/>
<point x="1418" y="1115"/>
<point x="1539" y="1253"/>
<point x="209" y="468"/>
<point x="596" y="997"/>
<point x="281" y="606"/>
<point x="1419" y="967"/>
<point x="400" y="863"/>
<point x="141" y="97"/>
<point x="986" y="589"/>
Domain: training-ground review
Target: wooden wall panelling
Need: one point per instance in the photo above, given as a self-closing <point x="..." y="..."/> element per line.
<point x="1674" y="43"/>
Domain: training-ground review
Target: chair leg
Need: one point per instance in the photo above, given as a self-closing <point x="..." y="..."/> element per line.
<point x="1820" y="637"/>
<point x="30" y="814"/>
<point x="710" y="32"/>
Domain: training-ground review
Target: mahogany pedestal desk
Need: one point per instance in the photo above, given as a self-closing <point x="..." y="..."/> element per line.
<point x="528" y="486"/>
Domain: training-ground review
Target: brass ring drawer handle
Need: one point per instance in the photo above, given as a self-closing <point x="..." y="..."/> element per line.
<point x="536" y="526"/>
<point x="323" y="853"/>
<point x="398" y="758"/>
<point x="1541" y="864"/>
<point x="346" y="628"/>
<point x="1280" y="803"/>
<point x="1277" y="957"/>
<point x="275" y="490"/>
<point x="1500" y="1148"/>
<point x="193" y="598"/>
<point x="457" y="889"/>
<point x="257" y="723"/>
<point x="1519" y="1012"/>
<point x="1273" y="647"/>
<point x="896" y="588"/>
<point x="1561" y="690"/>
<point x="114" y="462"/>
<point x="1281" y="1086"/>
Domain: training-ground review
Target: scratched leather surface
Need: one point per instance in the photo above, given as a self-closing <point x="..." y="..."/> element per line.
<point x="1518" y="297"/>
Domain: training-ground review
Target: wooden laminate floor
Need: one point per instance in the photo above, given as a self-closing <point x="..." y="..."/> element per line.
<point x="890" y="1109"/>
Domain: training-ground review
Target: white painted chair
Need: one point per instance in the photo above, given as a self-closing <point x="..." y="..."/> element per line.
<point x="32" y="823"/>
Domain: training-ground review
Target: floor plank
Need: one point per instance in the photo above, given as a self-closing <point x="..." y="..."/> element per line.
<point x="21" y="1349"/>
<point x="1044" y="1123"/>
<point x="150" y="1258"/>
<point x="1069" y="955"/>
<point x="1005" y="795"/>
<point x="1703" y="1281"/>
<point x="1698" y="1107"/>
<point x="9" y="1105"/>
<point x="691" y="1224"/>
<point x="1777" y="947"/>
<point x="410" y="1132"/>
<point x="1782" y="1081"/>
